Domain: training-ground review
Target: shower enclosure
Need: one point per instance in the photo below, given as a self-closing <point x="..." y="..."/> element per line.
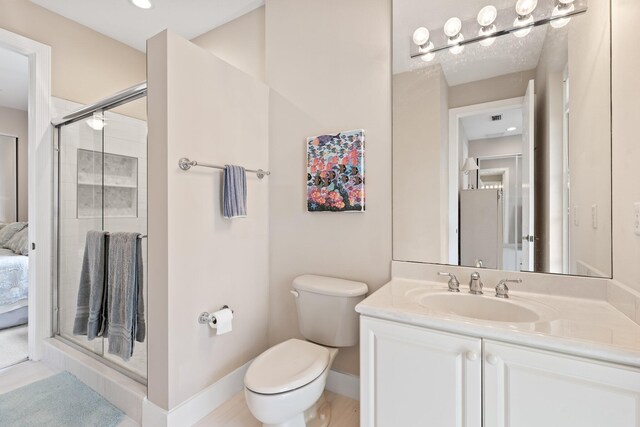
<point x="100" y="182"/>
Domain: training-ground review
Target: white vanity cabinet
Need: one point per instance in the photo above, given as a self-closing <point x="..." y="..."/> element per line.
<point x="526" y="387"/>
<point x="415" y="376"/>
<point x="412" y="376"/>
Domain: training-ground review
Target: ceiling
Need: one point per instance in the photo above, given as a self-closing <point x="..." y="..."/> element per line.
<point x="122" y="21"/>
<point x="508" y="54"/>
<point x="14" y="80"/>
<point x="480" y="126"/>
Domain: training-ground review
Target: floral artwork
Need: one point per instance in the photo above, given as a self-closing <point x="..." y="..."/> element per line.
<point x="335" y="172"/>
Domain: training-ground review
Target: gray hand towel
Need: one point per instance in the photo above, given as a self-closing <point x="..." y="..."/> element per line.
<point x="91" y="303"/>
<point x="125" y="303"/>
<point x="234" y="192"/>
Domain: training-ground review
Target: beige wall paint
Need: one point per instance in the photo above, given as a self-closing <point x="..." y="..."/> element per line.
<point x="626" y="149"/>
<point x="15" y="123"/>
<point x="85" y="65"/>
<point x="590" y="133"/>
<point x="549" y="151"/>
<point x="419" y="172"/>
<point x="493" y="89"/>
<point x="200" y="260"/>
<point x="240" y="42"/>
<point x="329" y="76"/>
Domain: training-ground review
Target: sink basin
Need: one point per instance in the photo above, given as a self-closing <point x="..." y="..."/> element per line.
<point x="481" y="307"/>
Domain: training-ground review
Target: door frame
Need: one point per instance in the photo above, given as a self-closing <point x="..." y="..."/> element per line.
<point x="449" y="248"/>
<point x="40" y="188"/>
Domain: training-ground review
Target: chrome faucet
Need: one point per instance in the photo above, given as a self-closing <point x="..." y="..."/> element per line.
<point x="502" y="290"/>
<point x="454" y="284"/>
<point x="475" y="284"/>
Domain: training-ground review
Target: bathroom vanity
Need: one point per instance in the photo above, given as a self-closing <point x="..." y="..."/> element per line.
<point x="438" y="358"/>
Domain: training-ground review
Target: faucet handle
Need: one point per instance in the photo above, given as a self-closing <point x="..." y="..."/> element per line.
<point x="502" y="290"/>
<point x="475" y="284"/>
<point x="454" y="284"/>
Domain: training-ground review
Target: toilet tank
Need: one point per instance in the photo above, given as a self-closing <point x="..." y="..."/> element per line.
<point x="326" y="309"/>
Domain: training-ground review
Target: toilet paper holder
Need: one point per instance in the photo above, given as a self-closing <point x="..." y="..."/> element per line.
<point x="205" y="318"/>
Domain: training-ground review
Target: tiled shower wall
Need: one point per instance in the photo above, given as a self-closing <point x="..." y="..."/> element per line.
<point x="123" y="136"/>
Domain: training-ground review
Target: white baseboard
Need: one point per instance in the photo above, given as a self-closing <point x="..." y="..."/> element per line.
<point x="344" y="384"/>
<point x="197" y="407"/>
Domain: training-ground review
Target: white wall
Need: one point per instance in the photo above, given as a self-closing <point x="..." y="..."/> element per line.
<point x="494" y="89"/>
<point x="15" y="123"/>
<point x="589" y="136"/>
<point x="549" y="150"/>
<point x="240" y="42"/>
<point x="418" y="167"/>
<point x="626" y="149"/>
<point x="85" y="65"/>
<point x="330" y="64"/>
<point x="203" y="108"/>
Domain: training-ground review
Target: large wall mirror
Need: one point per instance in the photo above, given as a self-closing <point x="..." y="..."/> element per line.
<point x="502" y="134"/>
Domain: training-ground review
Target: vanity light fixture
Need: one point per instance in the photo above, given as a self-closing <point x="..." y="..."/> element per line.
<point x="452" y="29"/>
<point x="425" y="46"/>
<point x="142" y="4"/>
<point x="524" y="9"/>
<point x="562" y="8"/>
<point x="486" y="18"/>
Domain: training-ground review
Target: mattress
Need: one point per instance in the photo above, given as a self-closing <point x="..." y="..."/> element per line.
<point x="14" y="280"/>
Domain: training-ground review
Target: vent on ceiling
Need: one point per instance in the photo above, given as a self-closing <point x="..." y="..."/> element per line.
<point x="496" y="118"/>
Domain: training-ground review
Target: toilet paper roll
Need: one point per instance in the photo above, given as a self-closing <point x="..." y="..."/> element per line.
<point x="221" y="321"/>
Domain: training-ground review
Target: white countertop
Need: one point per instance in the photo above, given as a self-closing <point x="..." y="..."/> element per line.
<point x="581" y="327"/>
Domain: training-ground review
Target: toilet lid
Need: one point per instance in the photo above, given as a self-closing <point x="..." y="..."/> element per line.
<point x="286" y="366"/>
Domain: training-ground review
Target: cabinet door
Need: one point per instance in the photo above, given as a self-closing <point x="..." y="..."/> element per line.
<point x="524" y="387"/>
<point x="412" y="376"/>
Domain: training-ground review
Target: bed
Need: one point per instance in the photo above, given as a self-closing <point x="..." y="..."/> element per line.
<point x="14" y="288"/>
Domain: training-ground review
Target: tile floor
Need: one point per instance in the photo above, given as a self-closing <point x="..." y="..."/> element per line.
<point x="345" y="412"/>
<point x="233" y="413"/>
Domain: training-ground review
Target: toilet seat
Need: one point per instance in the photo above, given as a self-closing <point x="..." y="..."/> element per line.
<point x="286" y="366"/>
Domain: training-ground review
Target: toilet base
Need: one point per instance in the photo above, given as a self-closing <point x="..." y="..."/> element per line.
<point x="319" y="415"/>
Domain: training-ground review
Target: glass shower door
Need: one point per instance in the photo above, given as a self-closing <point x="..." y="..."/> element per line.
<point x="80" y="206"/>
<point x="102" y="182"/>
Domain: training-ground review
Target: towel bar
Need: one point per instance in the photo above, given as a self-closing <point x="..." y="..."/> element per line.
<point x="185" y="164"/>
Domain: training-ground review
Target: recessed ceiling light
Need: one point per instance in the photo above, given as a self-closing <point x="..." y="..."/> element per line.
<point x="142" y="4"/>
<point x="511" y="129"/>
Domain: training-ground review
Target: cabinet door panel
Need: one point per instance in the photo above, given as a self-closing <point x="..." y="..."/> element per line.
<point x="416" y="377"/>
<point x="525" y="387"/>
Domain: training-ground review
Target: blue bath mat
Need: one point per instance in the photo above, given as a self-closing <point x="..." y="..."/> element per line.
<point x="60" y="400"/>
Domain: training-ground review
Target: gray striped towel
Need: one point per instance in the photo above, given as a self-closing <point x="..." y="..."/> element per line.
<point x="234" y="192"/>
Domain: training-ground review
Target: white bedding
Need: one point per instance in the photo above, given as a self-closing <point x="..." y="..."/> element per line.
<point x="14" y="280"/>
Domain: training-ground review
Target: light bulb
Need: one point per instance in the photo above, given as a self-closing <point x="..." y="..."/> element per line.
<point x="511" y="129"/>
<point x="561" y="10"/>
<point x="428" y="55"/>
<point x="526" y="7"/>
<point x="487" y="15"/>
<point x="96" y="122"/>
<point x="452" y="27"/>
<point x="421" y="36"/>
<point x="454" y="43"/>
<point x="523" y="22"/>
<point x="142" y="4"/>
<point x="485" y="31"/>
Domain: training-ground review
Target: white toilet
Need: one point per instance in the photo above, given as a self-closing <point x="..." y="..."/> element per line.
<point x="284" y="385"/>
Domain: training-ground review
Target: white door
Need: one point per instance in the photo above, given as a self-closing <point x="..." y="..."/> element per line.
<point x="524" y="387"/>
<point x="481" y="228"/>
<point x="528" y="145"/>
<point x="411" y="376"/>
